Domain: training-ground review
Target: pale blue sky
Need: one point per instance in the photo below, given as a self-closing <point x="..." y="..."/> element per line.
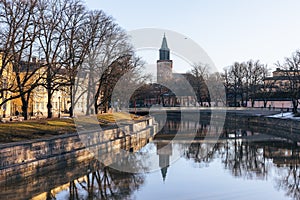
<point x="228" y="30"/>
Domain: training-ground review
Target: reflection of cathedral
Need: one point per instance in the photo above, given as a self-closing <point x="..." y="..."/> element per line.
<point x="164" y="151"/>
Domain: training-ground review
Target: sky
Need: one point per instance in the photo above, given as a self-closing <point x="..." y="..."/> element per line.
<point x="227" y="30"/>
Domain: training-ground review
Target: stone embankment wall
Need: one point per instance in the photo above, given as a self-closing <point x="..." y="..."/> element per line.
<point x="248" y="120"/>
<point x="24" y="159"/>
<point x="286" y="128"/>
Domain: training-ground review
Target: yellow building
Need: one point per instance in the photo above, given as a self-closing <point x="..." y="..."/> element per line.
<point x="281" y="79"/>
<point x="6" y="80"/>
<point x="37" y="105"/>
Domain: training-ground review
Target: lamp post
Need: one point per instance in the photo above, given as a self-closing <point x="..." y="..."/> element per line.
<point x="59" y="107"/>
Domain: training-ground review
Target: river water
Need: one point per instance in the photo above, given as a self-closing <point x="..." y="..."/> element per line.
<point x="228" y="169"/>
<point x="241" y="164"/>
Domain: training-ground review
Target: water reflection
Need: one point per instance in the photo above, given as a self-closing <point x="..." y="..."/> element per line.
<point x="277" y="162"/>
<point x="253" y="160"/>
<point x="106" y="183"/>
<point x="242" y="153"/>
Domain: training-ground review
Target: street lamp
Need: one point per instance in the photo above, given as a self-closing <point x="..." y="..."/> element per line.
<point x="59" y="107"/>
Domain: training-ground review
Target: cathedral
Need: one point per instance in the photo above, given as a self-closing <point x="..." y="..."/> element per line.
<point x="164" y="64"/>
<point x="171" y="89"/>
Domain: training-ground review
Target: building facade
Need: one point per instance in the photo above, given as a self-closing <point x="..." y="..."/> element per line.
<point x="30" y="73"/>
<point x="279" y="89"/>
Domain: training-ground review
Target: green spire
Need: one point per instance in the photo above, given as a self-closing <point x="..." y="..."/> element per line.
<point x="164" y="44"/>
<point x="164" y="51"/>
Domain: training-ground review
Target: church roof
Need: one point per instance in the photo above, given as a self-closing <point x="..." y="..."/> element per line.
<point x="164" y="44"/>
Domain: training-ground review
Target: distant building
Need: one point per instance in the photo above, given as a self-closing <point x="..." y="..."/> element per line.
<point x="277" y="91"/>
<point x="281" y="79"/>
<point x="171" y="89"/>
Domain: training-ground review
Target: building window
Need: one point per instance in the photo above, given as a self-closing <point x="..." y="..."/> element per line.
<point x="42" y="105"/>
<point x="37" y="105"/>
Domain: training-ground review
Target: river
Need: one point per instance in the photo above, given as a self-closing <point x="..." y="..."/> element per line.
<point x="239" y="163"/>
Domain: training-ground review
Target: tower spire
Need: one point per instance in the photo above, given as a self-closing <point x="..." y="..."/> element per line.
<point x="164" y="51"/>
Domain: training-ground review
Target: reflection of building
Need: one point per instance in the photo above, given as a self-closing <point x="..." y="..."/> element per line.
<point x="164" y="151"/>
<point x="283" y="154"/>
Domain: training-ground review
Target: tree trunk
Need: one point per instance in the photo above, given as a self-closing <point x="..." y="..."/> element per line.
<point x="24" y="108"/>
<point x="89" y="95"/>
<point x="96" y="107"/>
<point x="295" y="106"/>
<point x="235" y="97"/>
<point x="49" y="105"/>
<point x="252" y="103"/>
<point x="265" y="103"/>
<point x="87" y="112"/>
<point x="71" y="99"/>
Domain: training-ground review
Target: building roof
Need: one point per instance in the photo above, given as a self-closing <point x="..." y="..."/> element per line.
<point x="286" y="70"/>
<point x="164" y="44"/>
<point x="283" y="78"/>
<point x="25" y="66"/>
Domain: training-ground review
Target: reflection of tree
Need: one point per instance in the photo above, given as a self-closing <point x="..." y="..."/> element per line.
<point x="201" y="152"/>
<point x="106" y="183"/>
<point x="289" y="176"/>
<point x="253" y="160"/>
<point x="244" y="159"/>
<point x="289" y="181"/>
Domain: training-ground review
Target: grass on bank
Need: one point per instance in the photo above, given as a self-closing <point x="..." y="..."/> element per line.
<point x="44" y="128"/>
<point x="115" y="117"/>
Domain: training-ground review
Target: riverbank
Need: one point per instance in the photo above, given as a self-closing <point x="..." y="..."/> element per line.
<point x="20" y="160"/>
<point x="17" y="131"/>
<point x="239" y="122"/>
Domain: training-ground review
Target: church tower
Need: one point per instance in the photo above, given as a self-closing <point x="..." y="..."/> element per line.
<point x="164" y="64"/>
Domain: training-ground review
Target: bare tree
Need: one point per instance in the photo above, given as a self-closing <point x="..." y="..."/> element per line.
<point x="243" y="81"/>
<point x="109" y="59"/>
<point x="110" y="77"/>
<point x="217" y="91"/>
<point x="80" y="34"/>
<point x="265" y="91"/>
<point x="201" y="72"/>
<point x="99" y="29"/>
<point x="234" y="76"/>
<point x="54" y="21"/>
<point x="255" y="75"/>
<point x="227" y="83"/>
<point x="293" y="74"/>
<point x="18" y="42"/>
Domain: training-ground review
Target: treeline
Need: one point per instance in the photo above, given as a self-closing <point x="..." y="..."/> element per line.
<point x="68" y="38"/>
<point x="243" y="81"/>
<point x="249" y="81"/>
